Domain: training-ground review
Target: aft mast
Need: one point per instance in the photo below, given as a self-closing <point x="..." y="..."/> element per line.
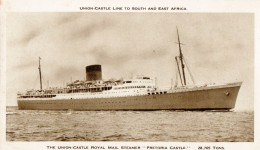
<point x="40" y="73"/>
<point x="181" y="59"/>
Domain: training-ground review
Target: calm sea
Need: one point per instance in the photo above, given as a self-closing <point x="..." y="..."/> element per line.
<point x="186" y="126"/>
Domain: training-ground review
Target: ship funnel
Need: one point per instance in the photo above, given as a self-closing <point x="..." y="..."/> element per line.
<point x="93" y="72"/>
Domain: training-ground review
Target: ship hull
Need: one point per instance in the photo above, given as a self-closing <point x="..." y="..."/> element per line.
<point x="209" y="98"/>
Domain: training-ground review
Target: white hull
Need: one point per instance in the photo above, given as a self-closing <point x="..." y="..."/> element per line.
<point x="203" y="98"/>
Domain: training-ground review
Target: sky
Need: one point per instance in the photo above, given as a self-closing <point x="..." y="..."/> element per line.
<point x="219" y="48"/>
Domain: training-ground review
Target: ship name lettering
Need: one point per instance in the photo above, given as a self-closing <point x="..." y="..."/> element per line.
<point x="64" y="147"/>
<point x="102" y="8"/>
<point x="86" y="8"/>
<point x="112" y="147"/>
<point x="218" y="147"/>
<point x="156" y="147"/>
<point x="163" y="8"/>
<point x="177" y="147"/>
<point x="130" y="147"/>
<point x="80" y="147"/>
<point x="97" y="147"/>
<point x="117" y="8"/>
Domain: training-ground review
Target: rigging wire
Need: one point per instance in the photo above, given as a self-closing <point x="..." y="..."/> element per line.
<point x="177" y="63"/>
<point x="35" y="82"/>
<point x="176" y="79"/>
<point x="190" y="72"/>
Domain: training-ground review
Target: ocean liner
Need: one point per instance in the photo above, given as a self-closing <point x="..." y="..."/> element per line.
<point x="139" y="93"/>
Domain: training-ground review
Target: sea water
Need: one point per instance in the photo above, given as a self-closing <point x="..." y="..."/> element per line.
<point x="172" y="126"/>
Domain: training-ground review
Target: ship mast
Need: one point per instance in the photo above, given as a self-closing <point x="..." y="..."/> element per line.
<point x="181" y="58"/>
<point x="40" y="73"/>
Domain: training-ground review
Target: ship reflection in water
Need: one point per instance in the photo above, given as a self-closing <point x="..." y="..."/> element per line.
<point x="186" y="126"/>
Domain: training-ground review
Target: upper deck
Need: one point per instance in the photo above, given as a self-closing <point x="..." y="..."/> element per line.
<point x="138" y="85"/>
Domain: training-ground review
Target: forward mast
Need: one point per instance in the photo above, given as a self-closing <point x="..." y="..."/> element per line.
<point x="180" y="65"/>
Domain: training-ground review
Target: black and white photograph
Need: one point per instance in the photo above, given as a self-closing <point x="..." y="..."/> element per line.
<point x="129" y="77"/>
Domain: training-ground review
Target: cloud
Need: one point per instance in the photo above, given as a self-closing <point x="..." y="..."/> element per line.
<point x="65" y="18"/>
<point x="30" y="36"/>
<point x="108" y="55"/>
<point x="25" y="39"/>
<point x="64" y="72"/>
<point x="125" y="43"/>
<point x="84" y="31"/>
<point x="24" y="65"/>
